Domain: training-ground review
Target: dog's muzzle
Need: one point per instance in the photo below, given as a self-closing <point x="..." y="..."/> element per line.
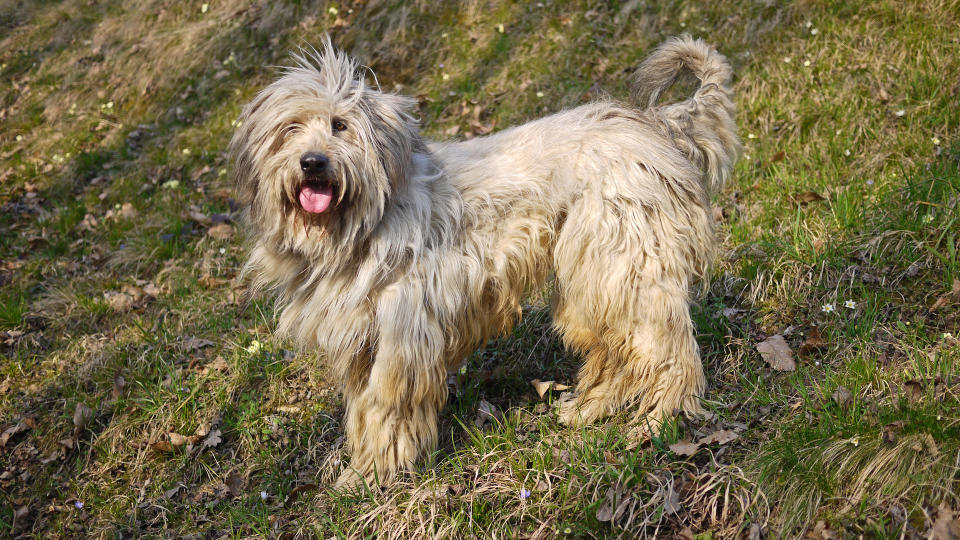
<point x="317" y="191"/>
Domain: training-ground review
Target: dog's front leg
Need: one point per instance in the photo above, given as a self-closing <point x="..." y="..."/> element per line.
<point x="391" y="421"/>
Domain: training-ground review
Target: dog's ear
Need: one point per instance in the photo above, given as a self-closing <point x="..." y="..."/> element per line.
<point x="395" y="131"/>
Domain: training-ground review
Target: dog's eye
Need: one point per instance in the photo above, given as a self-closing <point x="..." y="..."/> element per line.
<point x="339" y="125"/>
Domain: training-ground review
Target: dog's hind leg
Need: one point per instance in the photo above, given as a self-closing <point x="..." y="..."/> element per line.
<point x="624" y="302"/>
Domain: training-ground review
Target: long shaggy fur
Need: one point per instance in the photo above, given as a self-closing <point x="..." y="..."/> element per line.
<point x="429" y="248"/>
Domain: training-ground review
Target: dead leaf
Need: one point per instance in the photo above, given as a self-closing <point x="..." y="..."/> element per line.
<point x="891" y="431"/>
<point x="151" y="290"/>
<point x="81" y="416"/>
<point x="212" y="439"/>
<point x="777" y="353"/>
<point x="177" y="440"/>
<point x="882" y="95"/>
<point x="913" y="390"/>
<point x="119" y="384"/>
<point x="191" y="343"/>
<point x="684" y="448"/>
<point x="945" y="527"/>
<point x="671" y="502"/>
<point x="842" y="396"/>
<point x="235" y="483"/>
<point x="542" y="387"/>
<point x="722" y="436"/>
<point x="813" y="343"/>
<point x="8" y="433"/>
<point x="171" y="493"/>
<point x="808" y="197"/>
<point x="296" y="492"/>
<point x="221" y="231"/>
<point x="777" y="157"/>
<point x="119" y="301"/>
<point x="948" y="298"/>
<point x="127" y="211"/>
<point x="487" y="413"/>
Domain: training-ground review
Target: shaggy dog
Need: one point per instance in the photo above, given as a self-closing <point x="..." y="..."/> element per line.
<point x="396" y="257"/>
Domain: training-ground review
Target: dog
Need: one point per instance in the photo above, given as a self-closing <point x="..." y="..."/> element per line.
<point x="396" y="257"/>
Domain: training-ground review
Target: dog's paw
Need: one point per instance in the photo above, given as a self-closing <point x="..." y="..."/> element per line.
<point x="571" y="410"/>
<point x="350" y="480"/>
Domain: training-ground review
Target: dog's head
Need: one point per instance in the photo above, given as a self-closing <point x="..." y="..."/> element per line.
<point x="320" y="149"/>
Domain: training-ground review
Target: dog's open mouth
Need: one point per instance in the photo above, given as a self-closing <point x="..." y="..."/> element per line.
<point x="316" y="195"/>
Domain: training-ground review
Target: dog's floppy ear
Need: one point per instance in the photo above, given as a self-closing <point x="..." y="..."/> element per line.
<point x="395" y="132"/>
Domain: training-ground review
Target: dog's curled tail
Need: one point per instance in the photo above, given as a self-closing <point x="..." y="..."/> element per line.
<point x="704" y="125"/>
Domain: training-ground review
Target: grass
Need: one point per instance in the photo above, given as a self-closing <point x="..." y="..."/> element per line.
<point x="201" y="424"/>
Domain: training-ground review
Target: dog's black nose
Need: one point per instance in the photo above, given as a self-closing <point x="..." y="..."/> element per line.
<point x="313" y="163"/>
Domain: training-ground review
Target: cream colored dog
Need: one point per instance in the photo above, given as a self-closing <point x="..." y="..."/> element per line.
<point x="396" y="257"/>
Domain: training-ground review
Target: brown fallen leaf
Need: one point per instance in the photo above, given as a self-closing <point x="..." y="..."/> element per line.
<point x="813" y="343"/>
<point x="891" y="432"/>
<point x="808" y="197"/>
<point x="9" y="432"/>
<point x="722" y="436"/>
<point x="152" y="290"/>
<point x="221" y="231"/>
<point x="775" y="351"/>
<point x="119" y="384"/>
<point x="542" y="387"/>
<point x="913" y="390"/>
<point x="118" y="301"/>
<point x="946" y="527"/>
<point x="684" y="448"/>
<point x="81" y="417"/>
<point x="487" y="413"/>
<point x="842" y="396"/>
<point x="777" y="157"/>
<point x="191" y="343"/>
<point x="296" y="492"/>
<point x="235" y="482"/>
<point x="948" y="298"/>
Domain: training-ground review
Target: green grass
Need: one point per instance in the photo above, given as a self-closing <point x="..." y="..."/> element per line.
<point x="106" y="105"/>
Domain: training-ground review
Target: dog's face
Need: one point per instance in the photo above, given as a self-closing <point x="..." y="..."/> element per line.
<point x="319" y="149"/>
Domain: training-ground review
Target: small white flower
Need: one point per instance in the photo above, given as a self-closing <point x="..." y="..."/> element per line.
<point x="839" y="131"/>
<point x="186" y="151"/>
<point x="446" y="76"/>
<point x="900" y="113"/>
<point x="255" y="347"/>
<point x="19" y="138"/>
<point x="786" y="60"/>
<point x="827" y="308"/>
<point x="816" y="362"/>
<point x="463" y="370"/>
<point x="935" y="141"/>
<point x="171" y="184"/>
<point x="109" y="104"/>
<point x="264" y="495"/>
<point x="443" y="35"/>
<point x="500" y="28"/>
<point x="333" y="10"/>
<point x="539" y="94"/>
<point x="947" y="335"/>
<point x="846" y="152"/>
<point x="808" y="24"/>
<point x="204" y="8"/>
<point x="751" y="136"/>
<point x="928" y="218"/>
<point x="814" y="31"/>
<point x="223" y="250"/>
<point x="850" y="304"/>
<point x="806" y="63"/>
<point x="855" y="441"/>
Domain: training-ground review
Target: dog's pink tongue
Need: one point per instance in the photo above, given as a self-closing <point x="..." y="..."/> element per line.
<point x="316" y="199"/>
